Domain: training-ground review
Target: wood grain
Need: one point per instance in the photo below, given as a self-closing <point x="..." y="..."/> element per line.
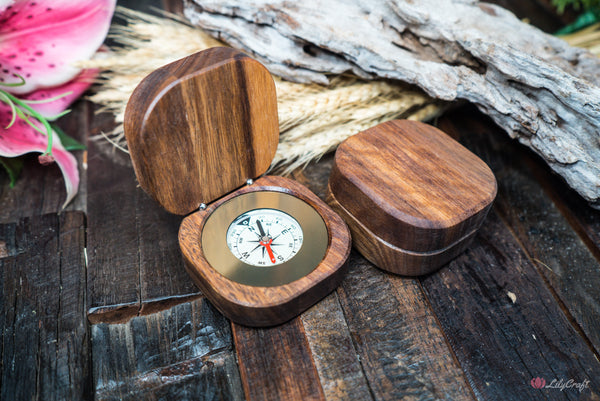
<point x="283" y="369"/>
<point x="373" y="339"/>
<point x="184" y="353"/>
<point x="113" y="258"/>
<point x="402" y="349"/>
<point x="45" y="340"/>
<point x="134" y="263"/>
<point x="505" y="325"/>
<point x="412" y="185"/>
<point x="265" y="306"/>
<point x="552" y="245"/>
<point x="201" y="126"/>
<point x="333" y="352"/>
<point x="392" y="258"/>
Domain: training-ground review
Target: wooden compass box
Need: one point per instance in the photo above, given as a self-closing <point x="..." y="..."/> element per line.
<point x="412" y="196"/>
<point x="199" y="130"/>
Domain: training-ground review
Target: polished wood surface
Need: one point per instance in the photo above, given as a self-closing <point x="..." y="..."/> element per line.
<point x="266" y="306"/>
<point x="412" y="185"/>
<point x="391" y="258"/>
<point x="201" y="126"/>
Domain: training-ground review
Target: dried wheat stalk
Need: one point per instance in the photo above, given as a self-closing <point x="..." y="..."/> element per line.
<point x="588" y="38"/>
<point x="313" y="119"/>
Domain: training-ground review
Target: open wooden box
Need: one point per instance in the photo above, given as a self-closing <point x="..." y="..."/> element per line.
<point x="201" y="132"/>
<point x="412" y="196"/>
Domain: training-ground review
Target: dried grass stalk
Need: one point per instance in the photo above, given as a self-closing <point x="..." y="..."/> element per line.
<point x="588" y="38"/>
<point x="313" y="119"/>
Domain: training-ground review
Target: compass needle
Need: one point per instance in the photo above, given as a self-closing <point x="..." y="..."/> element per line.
<point x="260" y="228"/>
<point x="262" y="222"/>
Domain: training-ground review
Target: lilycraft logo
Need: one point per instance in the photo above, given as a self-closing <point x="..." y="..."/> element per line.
<point x="538" y="382"/>
<point x="559" y="384"/>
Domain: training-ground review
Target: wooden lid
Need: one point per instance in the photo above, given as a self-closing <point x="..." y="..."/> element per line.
<point x="412" y="185"/>
<point x="201" y="126"/>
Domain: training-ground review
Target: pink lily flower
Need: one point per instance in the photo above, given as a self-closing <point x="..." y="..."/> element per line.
<point x="40" y="42"/>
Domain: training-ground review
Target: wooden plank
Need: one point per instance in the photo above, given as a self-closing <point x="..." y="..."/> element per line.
<point x="38" y="190"/>
<point x="8" y="240"/>
<point x="385" y="314"/>
<point x="276" y="364"/>
<point x="504" y="324"/>
<point x="583" y="219"/>
<point x="401" y="347"/>
<point x="182" y="353"/>
<point x="134" y="262"/>
<point x="41" y="189"/>
<point x="333" y="352"/>
<point x="550" y="242"/>
<point x="45" y="352"/>
<point x="112" y="244"/>
<point x="164" y="280"/>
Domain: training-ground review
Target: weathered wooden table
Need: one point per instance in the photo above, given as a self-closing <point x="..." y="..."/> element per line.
<point x="95" y="302"/>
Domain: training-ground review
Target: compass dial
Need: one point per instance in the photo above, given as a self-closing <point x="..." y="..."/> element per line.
<point x="264" y="237"/>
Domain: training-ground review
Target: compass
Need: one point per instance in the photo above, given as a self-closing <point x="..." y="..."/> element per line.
<point x="264" y="237"/>
<point x="258" y="239"/>
<point x="202" y="131"/>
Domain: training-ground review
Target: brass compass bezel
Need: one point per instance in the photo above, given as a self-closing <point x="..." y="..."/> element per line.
<point x="219" y="256"/>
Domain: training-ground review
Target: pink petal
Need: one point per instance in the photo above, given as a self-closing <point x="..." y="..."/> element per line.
<point x="76" y="86"/>
<point x="41" y="40"/>
<point x="20" y="138"/>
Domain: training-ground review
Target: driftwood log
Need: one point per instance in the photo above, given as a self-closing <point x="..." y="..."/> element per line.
<point x="535" y="86"/>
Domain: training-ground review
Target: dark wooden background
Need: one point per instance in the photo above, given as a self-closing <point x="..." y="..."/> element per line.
<point x="95" y="302"/>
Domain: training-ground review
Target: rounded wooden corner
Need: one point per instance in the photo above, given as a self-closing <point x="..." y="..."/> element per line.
<point x="175" y="120"/>
<point x="394" y="259"/>
<point x="412" y="185"/>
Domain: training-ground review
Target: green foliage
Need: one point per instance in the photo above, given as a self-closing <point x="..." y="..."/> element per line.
<point x="13" y="167"/>
<point x="584" y="20"/>
<point x="579" y="5"/>
<point x="67" y="142"/>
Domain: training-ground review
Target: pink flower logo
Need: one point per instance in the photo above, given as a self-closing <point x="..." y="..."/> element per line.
<point x="538" y="382"/>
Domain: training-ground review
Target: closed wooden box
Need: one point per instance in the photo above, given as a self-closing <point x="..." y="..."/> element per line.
<point x="412" y="196"/>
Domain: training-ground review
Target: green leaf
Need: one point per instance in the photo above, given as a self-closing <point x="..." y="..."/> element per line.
<point x="578" y="5"/>
<point x="584" y="20"/>
<point x="67" y="142"/>
<point x="13" y="167"/>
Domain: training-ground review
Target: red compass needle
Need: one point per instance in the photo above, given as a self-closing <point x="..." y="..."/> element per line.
<point x="267" y="245"/>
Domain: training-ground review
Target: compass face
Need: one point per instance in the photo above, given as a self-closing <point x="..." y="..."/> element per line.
<point x="264" y="237"/>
